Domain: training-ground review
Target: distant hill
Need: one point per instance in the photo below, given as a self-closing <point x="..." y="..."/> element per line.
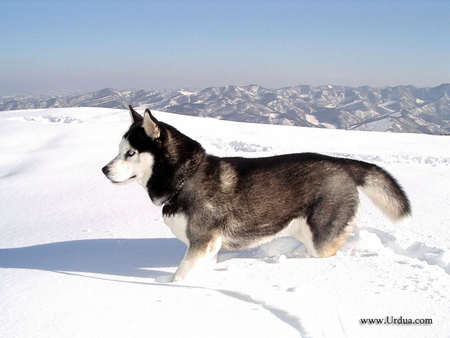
<point x="394" y="109"/>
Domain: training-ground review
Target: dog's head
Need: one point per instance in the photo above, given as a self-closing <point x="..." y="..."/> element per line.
<point x="135" y="159"/>
<point x="156" y="155"/>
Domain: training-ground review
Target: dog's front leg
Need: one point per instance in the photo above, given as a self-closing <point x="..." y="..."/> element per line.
<point x="198" y="255"/>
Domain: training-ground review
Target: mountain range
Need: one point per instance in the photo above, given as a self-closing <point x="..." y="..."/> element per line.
<point x="395" y="109"/>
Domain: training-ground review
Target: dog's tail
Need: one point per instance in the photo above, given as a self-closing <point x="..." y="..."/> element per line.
<point x="382" y="189"/>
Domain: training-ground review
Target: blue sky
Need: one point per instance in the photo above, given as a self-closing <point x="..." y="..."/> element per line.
<point x="90" y="45"/>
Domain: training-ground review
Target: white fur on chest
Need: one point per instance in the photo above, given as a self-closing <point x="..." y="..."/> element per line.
<point x="178" y="224"/>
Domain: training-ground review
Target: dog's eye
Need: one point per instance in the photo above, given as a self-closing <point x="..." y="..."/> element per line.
<point x="130" y="153"/>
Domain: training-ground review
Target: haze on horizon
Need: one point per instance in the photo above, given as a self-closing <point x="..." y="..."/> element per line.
<point x="89" y="45"/>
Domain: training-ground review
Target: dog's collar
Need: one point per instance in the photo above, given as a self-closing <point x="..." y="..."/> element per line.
<point x="169" y="201"/>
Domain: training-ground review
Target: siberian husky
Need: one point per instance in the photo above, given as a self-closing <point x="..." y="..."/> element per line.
<point x="232" y="203"/>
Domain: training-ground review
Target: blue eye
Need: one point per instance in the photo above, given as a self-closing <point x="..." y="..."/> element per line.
<point x="130" y="153"/>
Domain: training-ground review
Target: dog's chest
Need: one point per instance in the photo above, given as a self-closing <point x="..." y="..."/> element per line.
<point x="177" y="224"/>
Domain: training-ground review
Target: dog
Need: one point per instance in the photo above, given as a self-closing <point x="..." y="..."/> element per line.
<point x="231" y="203"/>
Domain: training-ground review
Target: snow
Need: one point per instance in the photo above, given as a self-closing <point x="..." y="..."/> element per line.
<point x="312" y="119"/>
<point x="80" y="257"/>
<point x="185" y="92"/>
<point x="382" y="124"/>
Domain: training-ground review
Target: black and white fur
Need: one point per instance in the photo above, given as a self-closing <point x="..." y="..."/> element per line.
<point x="233" y="203"/>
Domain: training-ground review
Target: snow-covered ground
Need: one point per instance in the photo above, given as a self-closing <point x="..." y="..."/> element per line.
<point x="80" y="257"/>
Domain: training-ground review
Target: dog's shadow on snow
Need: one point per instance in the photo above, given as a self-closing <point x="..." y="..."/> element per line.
<point x="119" y="257"/>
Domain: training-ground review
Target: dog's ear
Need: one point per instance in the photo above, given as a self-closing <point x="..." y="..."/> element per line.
<point x="135" y="117"/>
<point x="151" y="125"/>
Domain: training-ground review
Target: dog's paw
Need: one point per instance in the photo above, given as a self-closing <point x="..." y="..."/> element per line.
<point x="177" y="278"/>
<point x="164" y="279"/>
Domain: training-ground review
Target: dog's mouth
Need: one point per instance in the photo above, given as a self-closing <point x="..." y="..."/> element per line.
<point x="123" y="182"/>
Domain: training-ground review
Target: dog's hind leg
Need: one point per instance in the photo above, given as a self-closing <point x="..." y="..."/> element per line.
<point x="301" y="231"/>
<point x="331" y="248"/>
<point x="198" y="254"/>
<point x="303" y="234"/>
<point x="332" y="233"/>
<point x="325" y="231"/>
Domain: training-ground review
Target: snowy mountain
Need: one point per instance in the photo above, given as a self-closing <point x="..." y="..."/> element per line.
<point x="81" y="257"/>
<point x="395" y="109"/>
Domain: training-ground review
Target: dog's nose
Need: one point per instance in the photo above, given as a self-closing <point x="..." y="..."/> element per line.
<point x="105" y="170"/>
